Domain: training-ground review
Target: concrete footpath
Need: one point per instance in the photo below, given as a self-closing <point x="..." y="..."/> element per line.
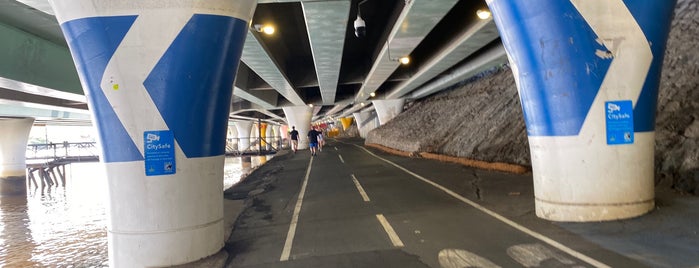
<point x="353" y="206"/>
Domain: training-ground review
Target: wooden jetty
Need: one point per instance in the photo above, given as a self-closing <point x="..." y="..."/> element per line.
<point x="53" y="172"/>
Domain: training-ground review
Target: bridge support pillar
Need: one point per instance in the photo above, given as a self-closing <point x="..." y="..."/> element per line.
<point x="13" y="148"/>
<point x="388" y="109"/>
<point x="277" y="136"/>
<point x="300" y="117"/>
<point x="269" y="136"/>
<point x="244" y="134"/>
<point x="587" y="72"/>
<point x="158" y="79"/>
<point x="366" y="122"/>
<point x="263" y="135"/>
<point x="232" y="135"/>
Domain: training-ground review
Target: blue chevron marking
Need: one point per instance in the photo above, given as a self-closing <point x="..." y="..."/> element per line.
<point x="92" y="43"/>
<point x="192" y="83"/>
<point x="656" y="31"/>
<point x="558" y="71"/>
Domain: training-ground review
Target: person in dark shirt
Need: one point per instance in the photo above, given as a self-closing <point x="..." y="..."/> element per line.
<point x="294" y="138"/>
<point x="313" y="140"/>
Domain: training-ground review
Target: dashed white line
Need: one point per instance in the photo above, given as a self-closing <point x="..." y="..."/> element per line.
<point x="341" y="160"/>
<point x="389" y="230"/>
<point x="295" y="218"/>
<point x="515" y="225"/>
<point x="335" y="148"/>
<point x="365" y="197"/>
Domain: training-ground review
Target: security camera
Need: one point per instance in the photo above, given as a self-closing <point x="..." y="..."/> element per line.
<point x="359" y="27"/>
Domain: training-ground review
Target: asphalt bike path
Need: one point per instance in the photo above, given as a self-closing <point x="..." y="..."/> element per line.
<point x="350" y="206"/>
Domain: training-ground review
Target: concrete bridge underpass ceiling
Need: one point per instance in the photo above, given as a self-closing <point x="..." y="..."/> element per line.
<point x="314" y="57"/>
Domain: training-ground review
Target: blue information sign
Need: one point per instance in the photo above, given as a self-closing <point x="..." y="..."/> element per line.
<point x="159" y="152"/>
<point x="619" y="117"/>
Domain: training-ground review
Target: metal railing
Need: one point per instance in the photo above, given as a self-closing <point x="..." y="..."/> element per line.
<point x="88" y="150"/>
<point x="64" y="150"/>
<point x="257" y="145"/>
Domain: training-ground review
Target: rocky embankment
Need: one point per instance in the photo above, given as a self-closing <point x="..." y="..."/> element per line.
<point x="482" y="118"/>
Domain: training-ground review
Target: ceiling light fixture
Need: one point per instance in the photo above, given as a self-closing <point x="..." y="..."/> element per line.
<point x="373" y="94"/>
<point x="403" y="60"/>
<point x="483" y="14"/>
<point x="267" y="29"/>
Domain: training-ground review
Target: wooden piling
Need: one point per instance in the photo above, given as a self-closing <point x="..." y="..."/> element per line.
<point x="62" y="173"/>
<point x="53" y="173"/>
<point x="42" y="177"/>
<point x="47" y="176"/>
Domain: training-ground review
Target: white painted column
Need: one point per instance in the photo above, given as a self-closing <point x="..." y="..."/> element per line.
<point x="300" y="117"/>
<point x="256" y="132"/>
<point x="284" y="131"/>
<point x="365" y="122"/>
<point x="388" y="109"/>
<point x="233" y="135"/>
<point x="158" y="79"/>
<point x="13" y="148"/>
<point x="269" y="136"/>
<point x="244" y="131"/>
<point x="277" y="136"/>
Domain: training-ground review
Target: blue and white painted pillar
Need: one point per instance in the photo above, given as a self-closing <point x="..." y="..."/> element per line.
<point x="244" y="134"/>
<point x="587" y="72"/>
<point x="13" y="149"/>
<point x="388" y="109"/>
<point x="300" y="117"/>
<point x="158" y="78"/>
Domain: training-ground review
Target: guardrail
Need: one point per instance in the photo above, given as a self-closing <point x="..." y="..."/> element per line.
<point x="64" y="150"/>
<point x="257" y="145"/>
<point x="80" y="151"/>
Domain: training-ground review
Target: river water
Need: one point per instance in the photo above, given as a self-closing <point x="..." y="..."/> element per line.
<point x="67" y="226"/>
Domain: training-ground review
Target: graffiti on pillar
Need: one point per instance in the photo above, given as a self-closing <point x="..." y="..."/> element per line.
<point x="159" y="152"/>
<point x="619" y="122"/>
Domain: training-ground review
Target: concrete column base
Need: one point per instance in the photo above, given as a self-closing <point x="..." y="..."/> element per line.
<point x="13" y="185"/>
<point x="581" y="179"/>
<point x="591" y="212"/>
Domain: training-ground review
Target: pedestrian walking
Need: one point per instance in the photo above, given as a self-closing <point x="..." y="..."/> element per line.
<point x="321" y="141"/>
<point x="313" y="140"/>
<point x="294" y="138"/>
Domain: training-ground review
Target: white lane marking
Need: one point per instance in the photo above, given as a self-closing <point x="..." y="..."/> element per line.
<point x="341" y="160"/>
<point x="335" y="148"/>
<point x="515" y="225"/>
<point x="457" y="258"/>
<point x="389" y="230"/>
<point x="532" y="255"/>
<point x="365" y="197"/>
<point x="295" y="218"/>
